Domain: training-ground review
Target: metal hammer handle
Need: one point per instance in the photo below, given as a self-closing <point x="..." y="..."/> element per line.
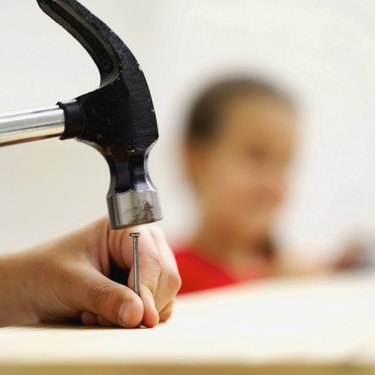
<point x="42" y="123"/>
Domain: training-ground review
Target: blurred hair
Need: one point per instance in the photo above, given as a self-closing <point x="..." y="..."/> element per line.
<point x="203" y="120"/>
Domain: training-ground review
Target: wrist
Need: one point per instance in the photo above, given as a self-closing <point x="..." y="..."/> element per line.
<point x="16" y="290"/>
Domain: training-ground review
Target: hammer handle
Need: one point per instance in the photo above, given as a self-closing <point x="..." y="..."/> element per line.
<point x="19" y="127"/>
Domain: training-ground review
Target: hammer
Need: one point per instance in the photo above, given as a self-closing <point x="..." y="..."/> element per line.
<point x="118" y="118"/>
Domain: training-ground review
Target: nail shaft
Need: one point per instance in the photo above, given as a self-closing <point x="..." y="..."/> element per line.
<point x="135" y="237"/>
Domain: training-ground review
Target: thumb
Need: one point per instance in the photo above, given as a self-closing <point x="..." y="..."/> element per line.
<point x="114" y="302"/>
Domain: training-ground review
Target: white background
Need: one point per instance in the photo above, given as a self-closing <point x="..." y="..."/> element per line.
<point x="324" y="51"/>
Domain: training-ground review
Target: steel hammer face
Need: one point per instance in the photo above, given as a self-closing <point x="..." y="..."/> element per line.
<point x="118" y="119"/>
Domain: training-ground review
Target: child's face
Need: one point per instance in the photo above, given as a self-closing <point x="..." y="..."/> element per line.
<point x="241" y="175"/>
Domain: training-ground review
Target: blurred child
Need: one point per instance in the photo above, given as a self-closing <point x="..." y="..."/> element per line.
<point x="239" y="141"/>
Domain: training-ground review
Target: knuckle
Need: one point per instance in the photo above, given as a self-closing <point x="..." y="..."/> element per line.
<point x="153" y="257"/>
<point x="99" y="295"/>
<point x="156" y="230"/>
<point x="174" y="280"/>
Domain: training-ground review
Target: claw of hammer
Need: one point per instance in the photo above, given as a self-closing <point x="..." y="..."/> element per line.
<point x="118" y="118"/>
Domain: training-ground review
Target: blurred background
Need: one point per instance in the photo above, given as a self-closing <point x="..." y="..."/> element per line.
<point x="324" y="52"/>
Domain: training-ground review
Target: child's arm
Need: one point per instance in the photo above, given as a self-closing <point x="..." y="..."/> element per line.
<point x="68" y="278"/>
<point x="353" y="256"/>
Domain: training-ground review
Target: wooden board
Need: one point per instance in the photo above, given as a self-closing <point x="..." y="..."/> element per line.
<point x="310" y="326"/>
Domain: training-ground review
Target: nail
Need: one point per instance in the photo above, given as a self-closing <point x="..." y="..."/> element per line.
<point x="135" y="237"/>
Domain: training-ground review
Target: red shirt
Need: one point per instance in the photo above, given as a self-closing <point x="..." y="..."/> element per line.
<point x="200" y="273"/>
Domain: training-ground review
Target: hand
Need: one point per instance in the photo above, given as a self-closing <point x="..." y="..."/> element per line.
<point x="69" y="278"/>
<point x="356" y="255"/>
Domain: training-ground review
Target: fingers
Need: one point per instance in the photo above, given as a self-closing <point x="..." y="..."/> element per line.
<point x="109" y="301"/>
<point x="151" y="314"/>
<point x="158" y="273"/>
<point x="170" y="280"/>
<point x="150" y="269"/>
<point x="158" y="289"/>
<point x="166" y="313"/>
<point x="89" y="318"/>
<point x="104" y="322"/>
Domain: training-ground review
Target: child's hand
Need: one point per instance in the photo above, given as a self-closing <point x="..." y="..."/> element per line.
<point x="68" y="278"/>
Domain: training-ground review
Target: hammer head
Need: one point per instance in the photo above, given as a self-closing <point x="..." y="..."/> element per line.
<point x="118" y="118"/>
